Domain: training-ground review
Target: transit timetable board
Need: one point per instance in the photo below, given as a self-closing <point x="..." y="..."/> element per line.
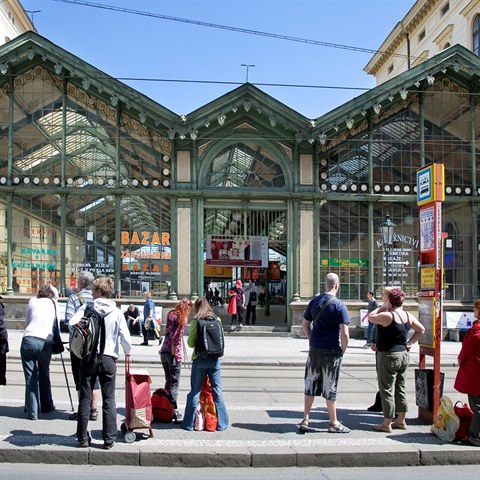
<point x="430" y="195"/>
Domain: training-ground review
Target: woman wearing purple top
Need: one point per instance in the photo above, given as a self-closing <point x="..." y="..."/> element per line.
<point x="171" y="350"/>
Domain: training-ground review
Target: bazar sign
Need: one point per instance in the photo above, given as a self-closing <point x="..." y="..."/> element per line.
<point x="145" y="238"/>
<point x="146" y="255"/>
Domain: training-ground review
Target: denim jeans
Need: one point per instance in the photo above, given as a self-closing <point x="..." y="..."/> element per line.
<point x="201" y="368"/>
<point x="370" y="338"/>
<point x="36" y="354"/>
<point x="106" y="370"/>
<point x="172" y="369"/>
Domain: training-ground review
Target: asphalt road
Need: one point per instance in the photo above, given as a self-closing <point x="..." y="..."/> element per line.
<point x="244" y="386"/>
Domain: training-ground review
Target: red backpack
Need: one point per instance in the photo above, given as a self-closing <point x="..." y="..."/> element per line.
<point x="162" y="406"/>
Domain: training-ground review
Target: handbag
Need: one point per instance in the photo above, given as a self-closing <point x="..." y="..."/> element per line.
<point x="57" y="343"/>
<point x="465" y="414"/>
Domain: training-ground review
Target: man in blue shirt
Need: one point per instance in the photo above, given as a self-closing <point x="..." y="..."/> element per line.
<point x="325" y="323"/>
<point x="148" y="316"/>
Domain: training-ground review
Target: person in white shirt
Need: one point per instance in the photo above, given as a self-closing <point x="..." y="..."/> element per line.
<point x="102" y="363"/>
<point x="36" y="352"/>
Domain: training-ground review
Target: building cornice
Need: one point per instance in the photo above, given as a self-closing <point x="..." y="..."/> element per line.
<point x="399" y="34"/>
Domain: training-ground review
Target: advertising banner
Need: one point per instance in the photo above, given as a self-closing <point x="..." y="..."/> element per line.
<point x="237" y="251"/>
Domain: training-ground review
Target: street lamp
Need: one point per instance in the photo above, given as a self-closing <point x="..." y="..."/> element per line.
<point x="387" y="230"/>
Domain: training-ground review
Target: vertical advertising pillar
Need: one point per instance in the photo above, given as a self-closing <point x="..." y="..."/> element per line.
<point x="430" y="196"/>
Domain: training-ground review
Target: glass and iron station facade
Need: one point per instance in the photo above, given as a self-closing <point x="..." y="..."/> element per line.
<point x="94" y="175"/>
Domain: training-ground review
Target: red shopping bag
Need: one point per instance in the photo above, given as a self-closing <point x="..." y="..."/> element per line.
<point x="465" y="414"/>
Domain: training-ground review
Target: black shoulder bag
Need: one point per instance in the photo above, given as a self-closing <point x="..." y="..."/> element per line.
<point x="57" y="343"/>
<point x="319" y="314"/>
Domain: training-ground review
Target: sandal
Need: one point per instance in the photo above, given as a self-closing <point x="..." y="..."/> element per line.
<point x="399" y="425"/>
<point x="303" y="427"/>
<point x="93" y="414"/>
<point x="338" y="428"/>
<point x="382" y="428"/>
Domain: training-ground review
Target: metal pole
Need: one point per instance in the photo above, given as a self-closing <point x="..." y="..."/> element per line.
<point x="386" y="267"/>
<point x="66" y="379"/>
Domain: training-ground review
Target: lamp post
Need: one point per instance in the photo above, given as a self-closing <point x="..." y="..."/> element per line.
<point x="387" y="230"/>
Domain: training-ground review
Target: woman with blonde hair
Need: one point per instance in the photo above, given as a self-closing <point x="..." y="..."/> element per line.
<point x="171" y="352"/>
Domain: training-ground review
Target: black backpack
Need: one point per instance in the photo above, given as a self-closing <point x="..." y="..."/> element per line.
<point x="210" y="339"/>
<point x="85" y="334"/>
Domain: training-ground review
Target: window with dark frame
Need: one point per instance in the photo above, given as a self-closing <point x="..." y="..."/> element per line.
<point x="476" y="35"/>
<point x="445" y="9"/>
<point x="26" y="227"/>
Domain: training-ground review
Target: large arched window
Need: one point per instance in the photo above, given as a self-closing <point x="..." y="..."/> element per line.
<point x="476" y="35"/>
<point x="245" y="165"/>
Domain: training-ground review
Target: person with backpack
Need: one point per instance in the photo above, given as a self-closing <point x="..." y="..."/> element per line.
<point x="171" y="350"/>
<point x="251" y="297"/>
<point x="204" y="366"/>
<point x="75" y="301"/>
<point x="111" y="331"/>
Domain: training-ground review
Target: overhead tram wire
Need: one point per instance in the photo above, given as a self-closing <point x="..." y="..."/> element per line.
<point x="226" y="27"/>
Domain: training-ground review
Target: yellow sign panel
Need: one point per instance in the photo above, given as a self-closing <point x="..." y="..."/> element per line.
<point x="214" y="271"/>
<point x="427" y="278"/>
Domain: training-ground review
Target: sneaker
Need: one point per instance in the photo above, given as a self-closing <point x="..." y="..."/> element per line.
<point x="240" y="325"/>
<point x="108" y="445"/>
<point x="367" y="345"/>
<point x="177" y="416"/>
<point x="338" y="428"/>
<point x="144" y="344"/>
<point x="73" y="416"/>
<point x="233" y="328"/>
<point x="85" y="443"/>
<point x="475" y="442"/>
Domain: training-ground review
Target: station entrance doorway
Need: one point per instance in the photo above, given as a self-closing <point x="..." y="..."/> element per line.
<point x="247" y="245"/>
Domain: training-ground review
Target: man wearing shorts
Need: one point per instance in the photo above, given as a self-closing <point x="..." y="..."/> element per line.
<point x="325" y="323"/>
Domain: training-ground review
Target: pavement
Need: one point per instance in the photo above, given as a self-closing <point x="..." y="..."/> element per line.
<point x="263" y="435"/>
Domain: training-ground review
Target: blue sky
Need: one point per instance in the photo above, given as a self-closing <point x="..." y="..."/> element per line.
<point x="126" y="45"/>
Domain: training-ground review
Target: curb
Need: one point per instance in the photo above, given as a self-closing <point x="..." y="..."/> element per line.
<point x="262" y="457"/>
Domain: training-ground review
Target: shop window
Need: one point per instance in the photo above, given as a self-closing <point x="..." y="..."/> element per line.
<point x="26" y="227"/>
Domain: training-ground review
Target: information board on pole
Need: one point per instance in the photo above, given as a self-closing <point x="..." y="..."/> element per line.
<point x="430" y="195"/>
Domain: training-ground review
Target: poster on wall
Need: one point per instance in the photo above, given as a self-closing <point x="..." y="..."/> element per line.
<point x="237" y="251"/>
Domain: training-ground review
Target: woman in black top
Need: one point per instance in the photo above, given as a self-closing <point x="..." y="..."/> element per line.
<point x="392" y="345"/>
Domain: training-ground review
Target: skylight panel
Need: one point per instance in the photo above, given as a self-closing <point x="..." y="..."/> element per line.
<point x="37" y="157"/>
